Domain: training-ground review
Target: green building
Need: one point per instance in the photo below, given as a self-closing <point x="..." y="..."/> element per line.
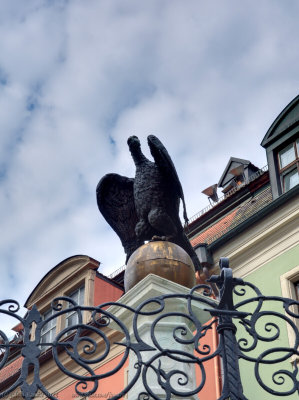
<point x="255" y="224"/>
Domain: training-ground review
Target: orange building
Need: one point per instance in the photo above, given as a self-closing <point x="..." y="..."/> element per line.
<point x="79" y="279"/>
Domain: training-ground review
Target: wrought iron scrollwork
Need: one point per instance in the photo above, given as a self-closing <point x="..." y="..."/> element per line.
<point x="266" y="327"/>
<point x="248" y="330"/>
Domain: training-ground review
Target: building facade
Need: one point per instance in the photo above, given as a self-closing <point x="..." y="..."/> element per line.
<point x="78" y="279"/>
<point x="256" y="225"/>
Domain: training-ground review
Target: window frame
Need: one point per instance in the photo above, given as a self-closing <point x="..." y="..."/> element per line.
<point x="288" y="282"/>
<point x="52" y="329"/>
<point x="61" y="321"/>
<point x="69" y="315"/>
<point x="292" y="166"/>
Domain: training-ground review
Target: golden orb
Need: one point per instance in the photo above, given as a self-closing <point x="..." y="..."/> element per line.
<point x="161" y="258"/>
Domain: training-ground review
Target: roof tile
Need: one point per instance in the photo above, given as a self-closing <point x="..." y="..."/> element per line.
<point x="234" y="218"/>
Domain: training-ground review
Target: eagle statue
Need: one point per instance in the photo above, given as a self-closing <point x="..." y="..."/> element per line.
<point x="146" y="207"/>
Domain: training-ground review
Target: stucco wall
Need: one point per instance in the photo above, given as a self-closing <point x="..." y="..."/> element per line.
<point x="268" y="280"/>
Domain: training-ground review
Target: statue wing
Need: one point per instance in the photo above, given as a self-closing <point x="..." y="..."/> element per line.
<point x="115" y="198"/>
<point x="166" y="166"/>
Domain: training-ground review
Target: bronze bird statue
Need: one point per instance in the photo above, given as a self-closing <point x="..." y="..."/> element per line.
<point x="147" y="207"/>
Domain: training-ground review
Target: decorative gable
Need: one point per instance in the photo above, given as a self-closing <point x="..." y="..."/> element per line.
<point x="282" y="146"/>
<point x="61" y="276"/>
<point x="287" y="119"/>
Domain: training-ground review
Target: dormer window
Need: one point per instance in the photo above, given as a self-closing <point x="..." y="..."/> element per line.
<point x="49" y="331"/>
<point x="289" y="165"/>
<point x="237" y="173"/>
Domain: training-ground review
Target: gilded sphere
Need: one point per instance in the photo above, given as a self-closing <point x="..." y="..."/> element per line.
<point x="161" y="258"/>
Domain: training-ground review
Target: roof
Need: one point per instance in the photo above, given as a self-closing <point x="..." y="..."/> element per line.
<point x="254" y="182"/>
<point x="288" y="118"/>
<point x="219" y="228"/>
<point x="10" y="369"/>
<point x="234" y="218"/>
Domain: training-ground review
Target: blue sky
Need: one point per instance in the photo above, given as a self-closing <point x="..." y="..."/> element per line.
<point x="77" y="78"/>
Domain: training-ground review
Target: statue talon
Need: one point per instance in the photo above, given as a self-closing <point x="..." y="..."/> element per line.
<point x="157" y="238"/>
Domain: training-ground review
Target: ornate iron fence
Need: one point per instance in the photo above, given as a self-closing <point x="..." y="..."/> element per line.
<point x="247" y="328"/>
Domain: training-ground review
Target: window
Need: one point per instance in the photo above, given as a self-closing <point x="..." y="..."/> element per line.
<point x="48" y="331"/>
<point x="78" y="297"/>
<point x="290" y="289"/>
<point x="289" y="166"/>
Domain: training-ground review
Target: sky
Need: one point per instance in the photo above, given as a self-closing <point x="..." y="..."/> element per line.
<point x="77" y="78"/>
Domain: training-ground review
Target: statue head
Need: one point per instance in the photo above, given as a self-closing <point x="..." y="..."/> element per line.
<point x="133" y="143"/>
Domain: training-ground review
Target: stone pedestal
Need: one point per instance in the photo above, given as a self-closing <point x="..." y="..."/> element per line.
<point x="153" y="286"/>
